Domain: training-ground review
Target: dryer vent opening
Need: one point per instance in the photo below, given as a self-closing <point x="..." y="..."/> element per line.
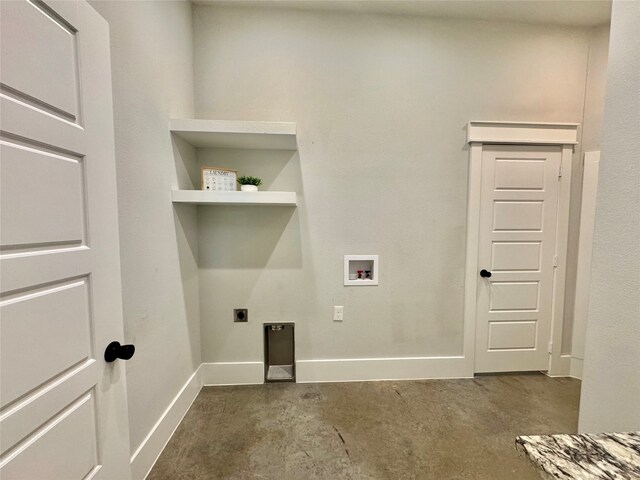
<point x="279" y="352"/>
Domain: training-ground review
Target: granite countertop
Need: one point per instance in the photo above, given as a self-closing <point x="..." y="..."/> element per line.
<point x="609" y="456"/>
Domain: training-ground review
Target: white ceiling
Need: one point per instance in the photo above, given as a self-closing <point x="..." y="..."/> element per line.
<point x="581" y="13"/>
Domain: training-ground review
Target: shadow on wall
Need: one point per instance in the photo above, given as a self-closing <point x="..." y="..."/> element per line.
<point x="252" y="237"/>
<point x="278" y="169"/>
<point x="248" y="256"/>
<point x="186" y="225"/>
<point x="186" y="164"/>
<point x="249" y="237"/>
<point x="185" y="219"/>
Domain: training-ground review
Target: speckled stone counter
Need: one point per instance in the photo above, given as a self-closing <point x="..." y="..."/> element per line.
<point x="609" y="456"/>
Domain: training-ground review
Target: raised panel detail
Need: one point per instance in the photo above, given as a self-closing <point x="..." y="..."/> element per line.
<point x="519" y="174"/>
<point x="39" y="58"/>
<point x="517" y="215"/>
<point x="514" y="296"/>
<point x="30" y="412"/>
<point x="515" y="256"/>
<point x="55" y="323"/>
<point x="42" y="197"/>
<point x="65" y="447"/>
<point x="512" y="335"/>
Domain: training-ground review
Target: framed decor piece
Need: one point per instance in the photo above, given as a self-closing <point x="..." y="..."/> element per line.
<point x="218" y="179"/>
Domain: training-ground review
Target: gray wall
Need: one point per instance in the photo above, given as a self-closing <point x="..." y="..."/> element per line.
<point x="381" y="103"/>
<point x="611" y="382"/>
<point x="152" y="65"/>
<point x="573" y="333"/>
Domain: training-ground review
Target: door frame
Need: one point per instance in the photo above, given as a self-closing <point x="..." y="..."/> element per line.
<point x="480" y="133"/>
<point x="590" y="171"/>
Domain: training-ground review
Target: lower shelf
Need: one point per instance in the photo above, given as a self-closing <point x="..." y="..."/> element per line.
<point x="201" y="197"/>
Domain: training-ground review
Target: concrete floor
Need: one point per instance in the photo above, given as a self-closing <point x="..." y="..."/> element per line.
<point x="433" y="429"/>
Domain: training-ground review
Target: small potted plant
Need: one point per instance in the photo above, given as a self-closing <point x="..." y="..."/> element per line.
<point x="249" y="184"/>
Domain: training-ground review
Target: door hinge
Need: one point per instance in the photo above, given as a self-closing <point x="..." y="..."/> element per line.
<point x="555" y="261"/>
<point x="560" y="171"/>
<point x="550" y="347"/>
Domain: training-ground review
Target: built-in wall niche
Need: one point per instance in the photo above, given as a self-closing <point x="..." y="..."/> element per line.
<point x="361" y="270"/>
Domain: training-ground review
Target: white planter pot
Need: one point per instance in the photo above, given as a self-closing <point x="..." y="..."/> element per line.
<point x="248" y="188"/>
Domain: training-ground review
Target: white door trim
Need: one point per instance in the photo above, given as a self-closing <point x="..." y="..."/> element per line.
<point x="523" y="133"/>
<point x="583" y="275"/>
<point x="480" y="133"/>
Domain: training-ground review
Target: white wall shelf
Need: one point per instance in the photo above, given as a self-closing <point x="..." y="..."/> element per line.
<point x="200" y="197"/>
<point x="235" y="134"/>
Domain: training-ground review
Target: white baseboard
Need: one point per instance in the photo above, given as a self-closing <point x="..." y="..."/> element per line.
<point x="567" y="366"/>
<point x="368" y="369"/>
<point x="151" y="447"/>
<point x="576" y="367"/>
<point x="340" y="370"/>
<point x="232" y="373"/>
<point x="561" y="367"/>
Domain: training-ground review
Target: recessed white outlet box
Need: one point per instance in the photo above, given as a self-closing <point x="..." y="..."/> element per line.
<point x="360" y="270"/>
<point x="338" y="314"/>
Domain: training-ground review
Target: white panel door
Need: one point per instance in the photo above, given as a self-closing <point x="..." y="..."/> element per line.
<point x="518" y="216"/>
<point x="63" y="408"/>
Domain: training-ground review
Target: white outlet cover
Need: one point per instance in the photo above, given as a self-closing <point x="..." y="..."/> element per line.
<point x="338" y="313"/>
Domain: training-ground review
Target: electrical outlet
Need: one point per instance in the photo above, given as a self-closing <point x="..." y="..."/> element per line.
<point x="240" y="315"/>
<point x="338" y="313"/>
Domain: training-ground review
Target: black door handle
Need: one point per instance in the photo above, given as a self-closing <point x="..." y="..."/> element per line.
<point x="485" y="273"/>
<point x="115" y="350"/>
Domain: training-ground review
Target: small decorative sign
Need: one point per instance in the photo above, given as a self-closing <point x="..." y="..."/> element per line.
<point x="218" y="179"/>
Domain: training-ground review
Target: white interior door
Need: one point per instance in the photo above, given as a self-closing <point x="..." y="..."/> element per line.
<point x="62" y="407"/>
<point x="518" y="216"/>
